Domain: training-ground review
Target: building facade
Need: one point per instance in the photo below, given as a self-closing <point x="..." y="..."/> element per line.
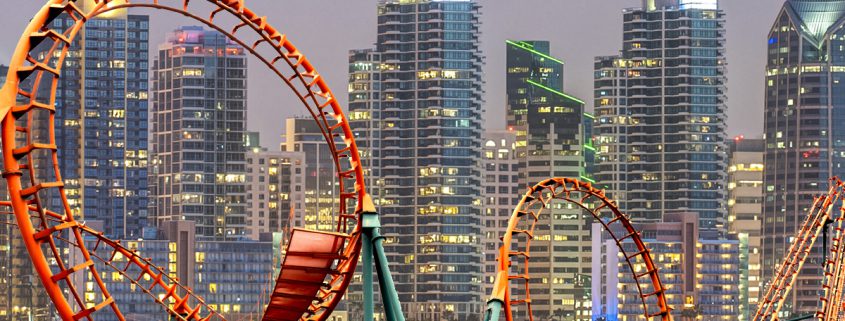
<point x="804" y="145"/>
<point x="661" y="112"/>
<point x="101" y="130"/>
<point x="745" y="211"/>
<point x="700" y="275"/>
<point x="102" y="121"/>
<point x="275" y="191"/>
<point x="198" y="151"/>
<point x="502" y="191"/>
<point x="234" y="278"/>
<point x="320" y="181"/>
<point x="550" y="142"/>
<point x="424" y="99"/>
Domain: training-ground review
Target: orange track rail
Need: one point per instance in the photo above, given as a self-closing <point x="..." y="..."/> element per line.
<point x="834" y="276"/>
<point x="525" y="218"/>
<point x="30" y="184"/>
<point x="787" y="272"/>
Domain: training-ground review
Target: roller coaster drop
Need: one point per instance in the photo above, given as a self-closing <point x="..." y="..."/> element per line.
<point x="318" y="266"/>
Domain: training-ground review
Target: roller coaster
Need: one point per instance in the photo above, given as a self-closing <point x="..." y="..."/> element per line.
<point x="318" y="266"/>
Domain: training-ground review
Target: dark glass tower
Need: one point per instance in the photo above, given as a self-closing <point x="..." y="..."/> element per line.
<point x="549" y="127"/>
<point x="805" y="142"/>
<point x="101" y="123"/>
<point x="661" y="113"/>
<point x="420" y="91"/>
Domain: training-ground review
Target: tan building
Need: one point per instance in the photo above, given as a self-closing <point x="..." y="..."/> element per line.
<point x="501" y="192"/>
<point x="745" y="206"/>
<point x="275" y="191"/>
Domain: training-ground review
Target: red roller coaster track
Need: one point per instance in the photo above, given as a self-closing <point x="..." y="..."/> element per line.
<point x="525" y="218"/>
<point x="29" y="180"/>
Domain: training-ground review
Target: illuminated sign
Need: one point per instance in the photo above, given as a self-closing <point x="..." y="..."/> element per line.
<point x="699" y="4"/>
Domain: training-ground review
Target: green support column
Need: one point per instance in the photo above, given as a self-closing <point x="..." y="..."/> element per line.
<point x="373" y="253"/>
<point x="367" y="256"/>
<point x="494" y="309"/>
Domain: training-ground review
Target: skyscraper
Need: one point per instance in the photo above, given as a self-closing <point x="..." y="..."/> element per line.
<point x="425" y="98"/>
<point x="101" y="122"/>
<point x="805" y="105"/>
<point x="661" y="113"/>
<point x="101" y="130"/>
<point x="549" y="127"/>
<point x="198" y="169"/>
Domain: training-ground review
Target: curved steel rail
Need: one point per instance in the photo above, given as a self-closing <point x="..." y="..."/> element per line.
<point x="31" y="75"/>
<point x="787" y="272"/>
<point x="140" y="271"/>
<point x="525" y="218"/>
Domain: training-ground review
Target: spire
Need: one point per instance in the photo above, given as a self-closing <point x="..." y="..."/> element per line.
<point x="818" y="15"/>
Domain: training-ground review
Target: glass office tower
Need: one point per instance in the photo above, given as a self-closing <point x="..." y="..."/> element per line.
<point x="424" y="100"/>
<point x="805" y="142"/>
<point x="661" y="113"/>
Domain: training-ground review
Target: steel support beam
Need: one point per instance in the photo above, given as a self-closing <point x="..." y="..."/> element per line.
<point x="373" y="254"/>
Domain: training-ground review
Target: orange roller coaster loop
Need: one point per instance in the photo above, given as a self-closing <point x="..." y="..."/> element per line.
<point x="525" y="218"/>
<point x="30" y="161"/>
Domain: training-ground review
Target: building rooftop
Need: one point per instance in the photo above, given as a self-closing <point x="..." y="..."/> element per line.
<point x="818" y="15"/>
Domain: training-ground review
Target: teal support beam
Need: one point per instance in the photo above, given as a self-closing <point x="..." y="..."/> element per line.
<point x="367" y="260"/>
<point x="385" y="280"/>
<point x="494" y="310"/>
<point x="373" y="254"/>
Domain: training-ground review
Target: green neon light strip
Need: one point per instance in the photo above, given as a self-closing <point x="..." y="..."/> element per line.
<point x="526" y="44"/>
<point x="588" y="179"/>
<point x="590" y="147"/>
<point x="590" y="116"/>
<point x="554" y="91"/>
<point x="526" y="47"/>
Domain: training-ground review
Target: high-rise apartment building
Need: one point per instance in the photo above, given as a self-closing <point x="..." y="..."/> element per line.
<point x="275" y="191"/>
<point x="745" y="211"/>
<point x="661" y="113"/>
<point x="550" y="142"/>
<point x="805" y="145"/>
<point x="101" y="121"/>
<point x="198" y="151"/>
<point x="424" y="99"/>
<point x="502" y="191"/>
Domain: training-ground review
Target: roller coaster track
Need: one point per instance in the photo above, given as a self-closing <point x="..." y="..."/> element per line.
<point x="515" y="253"/>
<point x="813" y="227"/>
<point x="30" y="181"/>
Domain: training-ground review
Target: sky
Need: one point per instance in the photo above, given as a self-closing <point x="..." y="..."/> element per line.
<point x="579" y="30"/>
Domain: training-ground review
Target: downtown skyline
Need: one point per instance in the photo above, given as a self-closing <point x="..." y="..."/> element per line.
<point x="422" y="104"/>
<point x="747" y="23"/>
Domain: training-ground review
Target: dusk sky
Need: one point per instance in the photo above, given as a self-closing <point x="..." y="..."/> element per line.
<point x="579" y="30"/>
